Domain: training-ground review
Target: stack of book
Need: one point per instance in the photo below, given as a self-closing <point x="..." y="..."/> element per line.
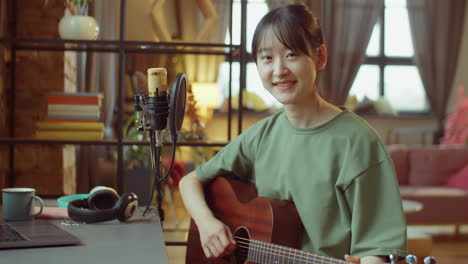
<point x="72" y="116"/>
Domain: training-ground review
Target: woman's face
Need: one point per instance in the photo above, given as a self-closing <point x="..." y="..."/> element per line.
<point x="288" y="76"/>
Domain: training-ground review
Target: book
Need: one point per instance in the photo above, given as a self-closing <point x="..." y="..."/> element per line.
<point x="74" y="113"/>
<point x="73" y="107"/>
<point x="74" y="98"/>
<point x="70" y="135"/>
<point x="72" y="116"/>
<point x="55" y="120"/>
<point x="70" y="126"/>
<point x="89" y="94"/>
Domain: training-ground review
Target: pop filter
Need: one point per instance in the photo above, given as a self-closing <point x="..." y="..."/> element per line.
<point x="177" y="103"/>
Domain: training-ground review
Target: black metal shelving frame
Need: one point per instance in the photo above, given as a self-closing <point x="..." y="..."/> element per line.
<point x="122" y="47"/>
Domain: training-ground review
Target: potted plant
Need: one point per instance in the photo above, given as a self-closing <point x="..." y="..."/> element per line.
<point x="76" y="24"/>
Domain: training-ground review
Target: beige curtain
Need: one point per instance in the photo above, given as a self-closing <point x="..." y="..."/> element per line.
<point x="348" y="26"/>
<point x="98" y="72"/>
<point x="203" y="68"/>
<point x="437" y="29"/>
<point x="103" y="67"/>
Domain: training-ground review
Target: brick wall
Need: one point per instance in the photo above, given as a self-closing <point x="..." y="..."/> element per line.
<point x="36" y="20"/>
<point x="48" y="168"/>
<point x="4" y="154"/>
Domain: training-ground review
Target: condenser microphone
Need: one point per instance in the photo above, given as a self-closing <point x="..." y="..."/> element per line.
<point x="158" y="98"/>
<point x="153" y="112"/>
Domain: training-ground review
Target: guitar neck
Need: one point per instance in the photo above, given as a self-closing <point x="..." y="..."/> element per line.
<point x="264" y="252"/>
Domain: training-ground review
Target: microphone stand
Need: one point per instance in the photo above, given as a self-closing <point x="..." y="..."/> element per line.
<point x="147" y="111"/>
<point x="156" y="142"/>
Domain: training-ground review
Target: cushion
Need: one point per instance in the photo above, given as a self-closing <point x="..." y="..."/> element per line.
<point x="399" y="155"/>
<point x="459" y="179"/>
<point x="433" y="166"/>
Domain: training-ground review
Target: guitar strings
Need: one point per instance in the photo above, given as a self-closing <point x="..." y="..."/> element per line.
<point x="295" y="254"/>
<point x="245" y="250"/>
<point x="243" y="253"/>
<point x="281" y="251"/>
<point x="287" y="257"/>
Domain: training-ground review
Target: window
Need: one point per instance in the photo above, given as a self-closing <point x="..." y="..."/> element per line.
<point x="389" y="70"/>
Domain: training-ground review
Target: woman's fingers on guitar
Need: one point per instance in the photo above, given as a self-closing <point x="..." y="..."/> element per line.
<point x="207" y="252"/>
<point x="213" y="248"/>
<point x="225" y="240"/>
<point x="212" y="251"/>
<point x="352" y="259"/>
<point x="232" y="240"/>
<point x="218" y="247"/>
<point x="216" y="239"/>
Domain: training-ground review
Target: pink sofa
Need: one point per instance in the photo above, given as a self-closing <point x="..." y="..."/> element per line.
<point x="436" y="176"/>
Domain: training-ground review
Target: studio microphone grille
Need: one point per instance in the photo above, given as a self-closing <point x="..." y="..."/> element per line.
<point x="157" y="82"/>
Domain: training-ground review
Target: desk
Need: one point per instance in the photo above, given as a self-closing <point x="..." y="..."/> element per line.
<point x="138" y="241"/>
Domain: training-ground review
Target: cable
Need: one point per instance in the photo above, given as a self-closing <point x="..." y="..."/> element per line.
<point x="155" y="155"/>
<point x="156" y="169"/>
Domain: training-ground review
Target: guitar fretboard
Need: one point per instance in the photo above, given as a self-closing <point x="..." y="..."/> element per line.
<point x="264" y="252"/>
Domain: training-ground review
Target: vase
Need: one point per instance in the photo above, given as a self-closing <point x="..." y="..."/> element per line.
<point x="78" y="27"/>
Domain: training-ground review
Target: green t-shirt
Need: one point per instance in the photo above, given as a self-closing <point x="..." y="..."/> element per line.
<point x="338" y="175"/>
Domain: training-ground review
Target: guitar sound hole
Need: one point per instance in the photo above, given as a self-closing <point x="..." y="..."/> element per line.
<point x="242" y="237"/>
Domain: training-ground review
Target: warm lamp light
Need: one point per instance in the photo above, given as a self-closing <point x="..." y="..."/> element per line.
<point x="206" y="94"/>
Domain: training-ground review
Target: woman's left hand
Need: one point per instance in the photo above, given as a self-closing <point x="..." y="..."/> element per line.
<point x="352" y="259"/>
<point x="365" y="260"/>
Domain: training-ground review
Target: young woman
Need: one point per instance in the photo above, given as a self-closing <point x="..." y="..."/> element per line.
<point x="325" y="159"/>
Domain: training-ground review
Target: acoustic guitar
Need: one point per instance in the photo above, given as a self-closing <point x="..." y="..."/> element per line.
<point x="265" y="230"/>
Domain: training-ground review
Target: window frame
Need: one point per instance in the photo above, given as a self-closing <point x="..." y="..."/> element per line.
<point x="381" y="60"/>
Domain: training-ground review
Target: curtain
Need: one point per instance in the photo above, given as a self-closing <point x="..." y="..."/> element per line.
<point x="203" y="68"/>
<point x="347" y="27"/>
<point x="104" y="66"/>
<point x="98" y="72"/>
<point x="437" y="29"/>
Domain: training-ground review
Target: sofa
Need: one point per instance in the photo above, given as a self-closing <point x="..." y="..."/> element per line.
<point x="436" y="176"/>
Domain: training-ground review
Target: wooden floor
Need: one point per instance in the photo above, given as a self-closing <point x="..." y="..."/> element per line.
<point x="446" y="247"/>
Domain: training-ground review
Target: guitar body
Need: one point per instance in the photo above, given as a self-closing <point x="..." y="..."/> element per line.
<point x="237" y="205"/>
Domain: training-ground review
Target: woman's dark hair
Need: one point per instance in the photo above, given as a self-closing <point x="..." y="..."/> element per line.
<point x="294" y="26"/>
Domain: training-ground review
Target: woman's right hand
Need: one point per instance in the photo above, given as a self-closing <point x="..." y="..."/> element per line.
<point x="216" y="238"/>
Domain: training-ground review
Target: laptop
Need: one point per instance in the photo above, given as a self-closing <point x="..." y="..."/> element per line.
<point x="36" y="233"/>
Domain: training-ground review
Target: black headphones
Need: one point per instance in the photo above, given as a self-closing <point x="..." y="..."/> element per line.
<point x="103" y="205"/>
